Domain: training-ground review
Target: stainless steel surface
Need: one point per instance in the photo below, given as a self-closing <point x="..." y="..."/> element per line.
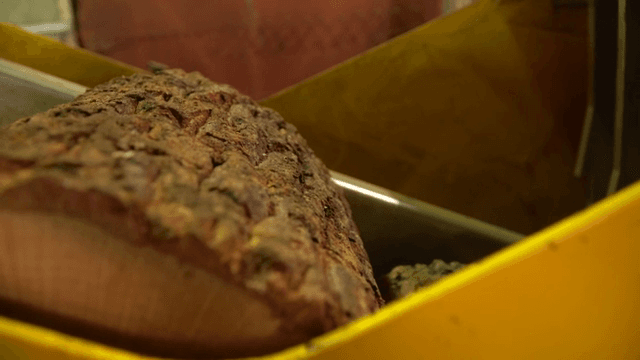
<point x="396" y="229"/>
<point x="609" y="155"/>
<point x="399" y="230"/>
<point x="588" y="119"/>
<point x="25" y="91"/>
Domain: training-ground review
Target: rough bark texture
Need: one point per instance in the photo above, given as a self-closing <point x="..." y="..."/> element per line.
<point x="406" y="279"/>
<point x="201" y="172"/>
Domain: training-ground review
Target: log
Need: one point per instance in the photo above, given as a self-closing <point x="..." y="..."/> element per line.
<point x="173" y="216"/>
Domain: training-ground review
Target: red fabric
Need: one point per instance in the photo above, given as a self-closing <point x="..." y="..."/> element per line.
<point x="258" y="46"/>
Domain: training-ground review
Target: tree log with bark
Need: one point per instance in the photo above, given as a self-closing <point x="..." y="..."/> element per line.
<point x="173" y="216"/>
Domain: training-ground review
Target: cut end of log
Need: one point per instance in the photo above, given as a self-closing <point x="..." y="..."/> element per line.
<point x="80" y="278"/>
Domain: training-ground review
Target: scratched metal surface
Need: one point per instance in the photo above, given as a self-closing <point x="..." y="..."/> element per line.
<point x="396" y="229"/>
<point x="25" y="91"/>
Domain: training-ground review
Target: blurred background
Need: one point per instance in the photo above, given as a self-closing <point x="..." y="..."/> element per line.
<point x="257" y="46"/>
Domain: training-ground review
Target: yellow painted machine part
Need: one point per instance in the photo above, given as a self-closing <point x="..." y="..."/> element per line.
<point x="479" y="112"/>
<point x="571" y="291"/>
<point x="50" y="56"/>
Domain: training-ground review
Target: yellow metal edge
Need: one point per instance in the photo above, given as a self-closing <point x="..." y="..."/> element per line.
<point x="445" y="24"/>
<point x="375" y="116"/>
<point x="498" y="261"/>
<point x="77" y="65"/>
<point x="53" y="345"/>
<point x="83" y="349"/>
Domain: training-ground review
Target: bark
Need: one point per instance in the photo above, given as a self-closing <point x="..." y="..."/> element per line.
<point x="404" y="280"/>
<point x="182" y="182"/>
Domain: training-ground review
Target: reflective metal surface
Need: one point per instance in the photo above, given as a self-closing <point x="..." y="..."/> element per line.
<point x="609" y="151"/>
<point x="24" y="91"/>
<point x="401" y="230"/>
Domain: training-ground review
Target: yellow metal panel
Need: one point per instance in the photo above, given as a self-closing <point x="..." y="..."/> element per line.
<point x="55" y="58"/>
<point x="478" y="112"/>
<point x="570" y="291"/>
<point x="19" y="341"/>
